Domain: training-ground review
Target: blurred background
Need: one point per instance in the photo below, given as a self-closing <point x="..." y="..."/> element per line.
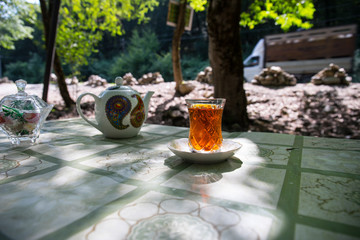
<point x="146" y="47"/>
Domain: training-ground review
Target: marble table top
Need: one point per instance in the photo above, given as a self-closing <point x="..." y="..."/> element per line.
<point x="76" y="184"/>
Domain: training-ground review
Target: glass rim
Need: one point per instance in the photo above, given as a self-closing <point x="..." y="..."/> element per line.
<point x="220" y="102"/>
<point x="206" y="99"/>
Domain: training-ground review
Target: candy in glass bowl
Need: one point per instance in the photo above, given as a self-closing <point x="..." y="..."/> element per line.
<point x="22" y="115"/>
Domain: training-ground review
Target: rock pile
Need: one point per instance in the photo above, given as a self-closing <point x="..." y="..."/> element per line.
<point x="5" y="80"/>
<point x="205" y="76"/>
<point x="331" y="75"/>
<point x="151" y="78"/>
<point x="186" y="88"/>
<point x="169" y="108"/>
<point x="176" y="116"/>
<point x="95" y="81"/>
<point x="274" y="76"/>
<point x="129" y="79"/>
<point x="71" y="81"/>
<point x="53" y="77"/>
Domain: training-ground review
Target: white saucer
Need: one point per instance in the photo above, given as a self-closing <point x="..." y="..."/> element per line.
<point x="181" y="148"/>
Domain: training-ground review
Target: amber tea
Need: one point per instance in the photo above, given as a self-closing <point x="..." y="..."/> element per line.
<point x="205" y="124"/>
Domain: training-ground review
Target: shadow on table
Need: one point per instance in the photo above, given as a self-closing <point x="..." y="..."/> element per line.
<point x="243" y="186"/>
<point x="70" y="188"/>
<point x="207" y="173"/>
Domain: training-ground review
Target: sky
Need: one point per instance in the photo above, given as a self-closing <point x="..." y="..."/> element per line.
<point x="33" y="1"/>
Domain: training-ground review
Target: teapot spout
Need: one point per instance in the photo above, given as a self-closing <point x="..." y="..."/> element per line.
<point x="146" y="101"/>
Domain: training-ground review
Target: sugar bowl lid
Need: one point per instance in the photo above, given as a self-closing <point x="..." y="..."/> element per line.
<point x="22" y="101"/>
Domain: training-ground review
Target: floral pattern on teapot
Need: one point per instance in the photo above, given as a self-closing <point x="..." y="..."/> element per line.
<point x="118" y="107"/>
<point x="137" y="115"/>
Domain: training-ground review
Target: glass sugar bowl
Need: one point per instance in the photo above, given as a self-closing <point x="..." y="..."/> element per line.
<point x="22" y="115"/>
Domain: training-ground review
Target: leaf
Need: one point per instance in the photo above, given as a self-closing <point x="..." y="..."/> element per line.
<point x="198" y="5"/>
<point x="14" y="16"/>
<point x="286" y="13"/>
<point x="268" y="6"/>
<point x="83" y="23"/>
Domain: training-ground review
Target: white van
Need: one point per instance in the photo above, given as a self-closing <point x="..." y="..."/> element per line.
<point x="305" y="52"/>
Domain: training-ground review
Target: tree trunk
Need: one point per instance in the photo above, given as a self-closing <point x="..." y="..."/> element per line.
<point x="50" y="45"/>
<point x="61" y="83"/>
<point x="179" y="30"/>
<point x="226" y="60"/>
<point x="46" y="16"/>
<point x="45" y="13"/>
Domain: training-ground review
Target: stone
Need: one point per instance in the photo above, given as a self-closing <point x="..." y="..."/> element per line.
<point x="331" y="80"/>
<point x="274" y="76"/>
<point x="331" y="75"/>
<point x="328" y="73"/>
<point x="53" y="77"/>
<point x="207" y="94"/>
<point x="205" y="76"/>
<point x="5" y="80"/>
<point x="96" y="81"/>
<point x="72" y="81"/>
<point x="334" y="67"/>
<point x="186" y="88"/>
<point x="129" y="79"/>
<point x="151" y="78"/>
<point x="175" y="114"/>
<point x="275" y="69"/>
<point x="348" y="79"/>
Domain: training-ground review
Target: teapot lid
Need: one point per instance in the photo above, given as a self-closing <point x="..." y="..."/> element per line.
<point x="119" y="85"/>
<point x="21" y="100"/>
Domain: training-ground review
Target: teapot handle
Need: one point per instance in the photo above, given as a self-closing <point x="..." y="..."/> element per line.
<point x="78" y="108"/>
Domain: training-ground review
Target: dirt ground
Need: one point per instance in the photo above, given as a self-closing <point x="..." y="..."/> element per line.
<point x="304" y="109"/>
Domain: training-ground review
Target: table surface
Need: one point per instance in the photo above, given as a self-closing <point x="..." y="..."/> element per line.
<point x="76" y="184"/>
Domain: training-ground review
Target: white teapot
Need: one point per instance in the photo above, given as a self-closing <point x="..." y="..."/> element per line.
<point x="119" y="111"/>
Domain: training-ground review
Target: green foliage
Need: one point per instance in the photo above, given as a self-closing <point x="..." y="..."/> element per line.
<point x="356" y="66"/>
<point x="99" y="67"/>
<point x="13" y="16"/>
<point x="191" y="66"/>
<point x="139" y="57"/>
<point x="198" y="5"/>
<point x="285" y="13"/>
<point x="83" y="22"/>
<point x="142" y="57"/>
<point x="163" y="64"/>
<point x="32" y="71"/>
